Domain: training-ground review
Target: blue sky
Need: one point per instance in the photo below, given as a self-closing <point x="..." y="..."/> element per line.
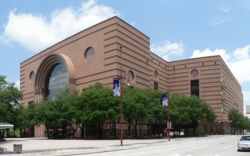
<point x="178" y="29"/>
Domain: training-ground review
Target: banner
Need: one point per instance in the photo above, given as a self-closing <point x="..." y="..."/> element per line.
<point x="164" y="100"/>
<point x="116" y="87"/>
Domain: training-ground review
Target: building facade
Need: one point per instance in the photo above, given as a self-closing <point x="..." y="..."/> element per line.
<point x="101" y="52"/>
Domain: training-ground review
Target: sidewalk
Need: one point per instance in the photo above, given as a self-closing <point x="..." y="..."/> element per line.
<point x="44" y="146"/>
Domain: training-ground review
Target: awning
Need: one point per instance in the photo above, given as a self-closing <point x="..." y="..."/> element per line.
<point x="6" y="125"/>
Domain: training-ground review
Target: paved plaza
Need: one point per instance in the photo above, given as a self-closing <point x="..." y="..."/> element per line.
<point x="204" y="146"/>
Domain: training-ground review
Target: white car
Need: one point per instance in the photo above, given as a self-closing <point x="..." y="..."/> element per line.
<point x="244" y="143"/>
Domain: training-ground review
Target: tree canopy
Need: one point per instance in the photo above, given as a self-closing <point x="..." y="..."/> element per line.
<point x="10" y="98"/>
<point x="96" y="105"/>
<point x="186" y="111"/>
<point x="238" y="120"/>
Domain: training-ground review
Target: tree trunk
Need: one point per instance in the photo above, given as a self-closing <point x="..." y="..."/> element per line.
<point x="148" y="130"/>
<point x="64" y="131"/>
<point x="82" y="131"/>
<point x="129" y="128"/>
<point x="114" y="128"/>
<point x="47" y="129"/>
<point x="136" y="128"/>
<point x="140" y="129"/>
<point x="99" y="129"/>
<point x="85" y="130"/>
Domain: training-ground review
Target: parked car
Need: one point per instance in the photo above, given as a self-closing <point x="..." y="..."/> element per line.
<point x="244" y="143"/>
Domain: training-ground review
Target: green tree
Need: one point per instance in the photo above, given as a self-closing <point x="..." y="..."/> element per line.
<point x="58" y="113"/>
<point x="10" y="98"/>
<point x="27" y="116"/>
<point x="134" y="107"/>
<point x="187" y="111"/>
<point x="179" y="111"/>
<point x="238" y="120"/>
<point x="211" y="117"/>
<point x="97" y="105"/>
<point x="235" y="117"/>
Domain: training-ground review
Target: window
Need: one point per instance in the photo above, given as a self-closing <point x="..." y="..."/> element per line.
<point x="89" y="54"/>
<point x="32" y="76"/>
<point x="195" y="90"/>
<point x="155" y="85"/>
<point x="155" y="74"/>
<point x="130" y="77"/>
<point x="194" y="72"/>
<point x="57" y="81"/>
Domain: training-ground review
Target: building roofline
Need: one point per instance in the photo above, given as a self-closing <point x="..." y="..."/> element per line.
<point x="221" y="59"/>
<point x="131" y="26"/>
<point x="158" y="57"/>
<point x="114" y="17"/>
<point x="230" y="71"/>
<point x="196" y="58"/>
<point x="186" y="59"/>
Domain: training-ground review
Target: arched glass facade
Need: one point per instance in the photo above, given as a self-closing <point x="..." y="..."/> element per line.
<point x="57" y="81"/>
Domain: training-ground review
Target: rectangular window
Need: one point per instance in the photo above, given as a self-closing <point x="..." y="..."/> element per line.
<point x="155" y="85"/>
<point x="195" y="88"/>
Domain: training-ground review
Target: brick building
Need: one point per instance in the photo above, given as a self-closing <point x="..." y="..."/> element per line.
<point x="96" y="54"/>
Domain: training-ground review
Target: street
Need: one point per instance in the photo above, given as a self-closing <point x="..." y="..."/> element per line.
<point x="206" y="146"/>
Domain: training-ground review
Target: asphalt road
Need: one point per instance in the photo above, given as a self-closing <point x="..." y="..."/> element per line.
<point x="205" y="146"/>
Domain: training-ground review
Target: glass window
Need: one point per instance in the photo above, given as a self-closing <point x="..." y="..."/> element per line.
<point x="32" y="76"/>
<point x="155" y="74"/>
<point x="156" y="85"/>
<point x="195" y="89"/>
<point x="245" y="138"/>
<point x="89" y="54"/>
<point x="130" y="76"/>
<point x="194" y="72"/>
<point x="57" y="81"/>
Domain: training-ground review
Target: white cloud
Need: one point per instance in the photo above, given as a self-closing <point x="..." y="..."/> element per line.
<point x="223" y="8"/>
<point x="36" y="32"/>
<point x="166" y="49"/>
<point x="17" y="84"/>
<point x="222" y="18"/>
<point x="246" y="95"/>
<point x="241" y="53"/>
<point x="219" y="20"/>
<point x="208" y="52"/>
<point x="238" y="61"/>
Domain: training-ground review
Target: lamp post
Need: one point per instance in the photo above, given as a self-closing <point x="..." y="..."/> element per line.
<point x="168" y="121"/>
<point x="121" y="121"/>
<point x="121" y="137"/>
<point x="165" y="103"/>
<point x="117" y="91"/>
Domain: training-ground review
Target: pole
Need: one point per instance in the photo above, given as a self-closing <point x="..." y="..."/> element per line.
<point x="121" y="107"/>
<point x="168" y="119"/>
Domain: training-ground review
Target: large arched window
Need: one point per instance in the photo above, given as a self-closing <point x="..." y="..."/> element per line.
<point x="57" y="81"/>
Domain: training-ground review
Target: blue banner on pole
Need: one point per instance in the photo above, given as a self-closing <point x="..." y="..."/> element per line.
<point x="116" y="87"/>
<point x="164" y="99"/>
